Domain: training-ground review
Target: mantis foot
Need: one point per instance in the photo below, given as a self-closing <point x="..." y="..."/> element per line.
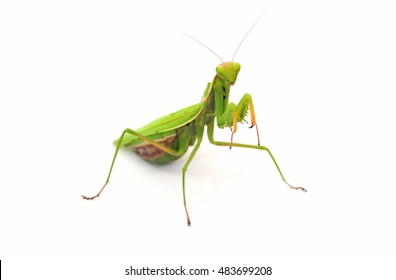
<point x="296" y="188"/>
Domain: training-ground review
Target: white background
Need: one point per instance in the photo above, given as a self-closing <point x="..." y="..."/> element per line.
<point x="74" y="74"/>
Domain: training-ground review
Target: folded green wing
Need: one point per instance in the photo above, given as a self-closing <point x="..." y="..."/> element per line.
<point x="167" y="123"/>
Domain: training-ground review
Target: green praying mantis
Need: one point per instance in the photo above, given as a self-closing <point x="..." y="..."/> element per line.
<point x="168" y="138"/>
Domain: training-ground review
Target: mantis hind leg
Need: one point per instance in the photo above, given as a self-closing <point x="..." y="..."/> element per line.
<point x="258" y="147"/>
<point x="199" y="130"/>
<point x="145" y="139"/>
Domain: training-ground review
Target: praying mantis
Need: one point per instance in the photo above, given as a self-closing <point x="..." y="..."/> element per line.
<point x="168" y="138"/>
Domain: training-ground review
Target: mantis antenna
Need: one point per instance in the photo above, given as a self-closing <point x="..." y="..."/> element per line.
<point x="243" y="39"/>
<point x="202" y="44"/>
<point x="246" y="36"/>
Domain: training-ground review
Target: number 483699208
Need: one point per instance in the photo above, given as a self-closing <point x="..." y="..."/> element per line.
<point x="168" y="138"/>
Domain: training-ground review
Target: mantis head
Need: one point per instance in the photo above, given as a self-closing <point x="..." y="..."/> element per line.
<point x="228" y="71"/>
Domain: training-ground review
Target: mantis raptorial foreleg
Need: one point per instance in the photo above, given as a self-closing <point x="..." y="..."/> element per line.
<point x="237" y="113"/>
<point x="220" y="143"/>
